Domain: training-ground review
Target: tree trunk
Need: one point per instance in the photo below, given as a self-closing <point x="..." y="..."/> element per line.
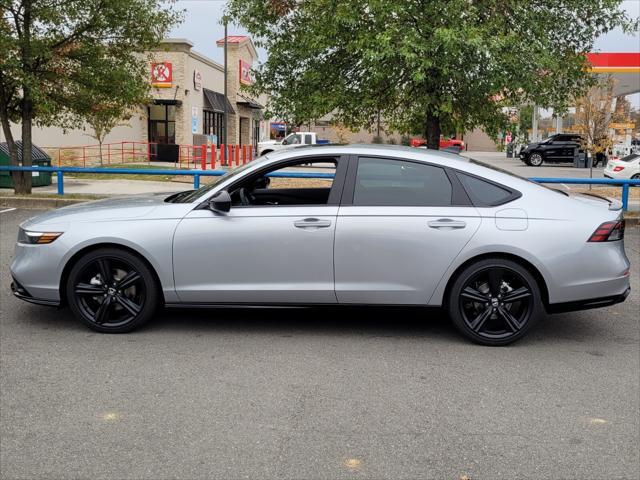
<point x="6" y="127"/>
<point x="22" y="181"/>
<point x="432" y="131"/>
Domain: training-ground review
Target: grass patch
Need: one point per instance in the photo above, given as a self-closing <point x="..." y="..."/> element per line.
<point x="605" y="191"/>
<point x="125" y="176"/>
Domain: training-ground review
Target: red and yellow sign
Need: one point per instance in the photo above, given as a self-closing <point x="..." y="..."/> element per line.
<point x="161" y="75"/>
<point x="245" y="73"/>
<point x="614" y="62"/>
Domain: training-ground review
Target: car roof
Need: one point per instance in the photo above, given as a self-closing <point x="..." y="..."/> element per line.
<point x="443" y="158"/>
<point x="436" y="157"/>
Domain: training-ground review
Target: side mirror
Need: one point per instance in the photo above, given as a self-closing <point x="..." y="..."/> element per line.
<point x="220" y="202"/>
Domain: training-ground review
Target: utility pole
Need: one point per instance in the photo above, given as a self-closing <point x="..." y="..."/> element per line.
<point x="226" y="100"/>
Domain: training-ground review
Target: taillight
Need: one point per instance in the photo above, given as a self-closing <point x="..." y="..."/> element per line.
<point x="618" y="169"/>
<point x="608" y="232"/>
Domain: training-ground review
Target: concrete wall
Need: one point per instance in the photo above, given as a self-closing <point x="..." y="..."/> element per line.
<point x="478" y="141"/>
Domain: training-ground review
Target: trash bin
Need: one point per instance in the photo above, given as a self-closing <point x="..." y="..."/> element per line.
<point x="579" y="159"/>
<point x="510" y="150"/>
<point x="39" y="158"/>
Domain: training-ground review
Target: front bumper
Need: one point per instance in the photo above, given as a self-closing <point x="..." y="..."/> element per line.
<point x="20" y="292"/>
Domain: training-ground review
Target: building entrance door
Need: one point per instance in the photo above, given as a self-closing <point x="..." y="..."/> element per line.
<point x="162" y="132"/>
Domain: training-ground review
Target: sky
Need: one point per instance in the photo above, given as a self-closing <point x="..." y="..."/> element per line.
<point x="202" y="27"/>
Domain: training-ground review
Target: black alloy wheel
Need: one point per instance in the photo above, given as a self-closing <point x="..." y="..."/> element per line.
<point x="494" y="302"/>
<point x="111" y="290"/>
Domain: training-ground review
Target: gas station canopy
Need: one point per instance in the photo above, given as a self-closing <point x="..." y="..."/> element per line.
<point x="623" y="67"/>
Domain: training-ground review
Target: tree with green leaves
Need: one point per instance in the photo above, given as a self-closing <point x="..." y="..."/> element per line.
<point x="423" y="64"/>
<point x="61" y="57"/>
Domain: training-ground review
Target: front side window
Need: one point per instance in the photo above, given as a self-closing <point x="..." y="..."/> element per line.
<point x="385" y="182"/>
<point x="304" y="182"/>
<point x="293" y="139"/>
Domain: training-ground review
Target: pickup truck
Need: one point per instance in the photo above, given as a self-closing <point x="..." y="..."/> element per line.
<point x="291" y="140"/>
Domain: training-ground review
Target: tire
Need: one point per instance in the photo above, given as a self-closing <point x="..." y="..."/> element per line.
<point x="636" y="177"/>
<point x="494" y="302"/>
<point x="535" y="160"/>
<point x="131" y="291"/>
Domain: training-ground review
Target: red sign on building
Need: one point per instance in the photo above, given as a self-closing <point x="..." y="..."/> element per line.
<point x="245" y="73"/>
<point x="161" y="75"/>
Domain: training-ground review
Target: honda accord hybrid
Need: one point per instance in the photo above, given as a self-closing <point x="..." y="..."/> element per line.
<point x="334" y="225"/>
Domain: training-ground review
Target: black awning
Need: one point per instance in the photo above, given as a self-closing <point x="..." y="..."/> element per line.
<point x="249" y="102"/>
<point x="215" y="101"/>
<point x="160" y="101"/>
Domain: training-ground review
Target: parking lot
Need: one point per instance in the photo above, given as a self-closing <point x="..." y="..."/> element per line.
<point x="316" y="393"/>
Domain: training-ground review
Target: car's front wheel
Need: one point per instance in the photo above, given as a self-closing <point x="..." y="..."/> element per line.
<point x="536" y="160"/>
<point x="112" y="291"/>
<point x="494" y="302"/>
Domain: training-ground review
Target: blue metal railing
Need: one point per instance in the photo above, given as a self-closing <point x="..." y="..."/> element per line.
<point x="196" y="174"/>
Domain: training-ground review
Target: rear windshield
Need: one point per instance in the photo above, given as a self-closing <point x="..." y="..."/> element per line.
<point x="506" y="172"/>
<point x="630" y="158"/>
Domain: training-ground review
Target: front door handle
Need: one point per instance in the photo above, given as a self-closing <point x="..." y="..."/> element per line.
<point x="311" y="223"/>
<point x="446" y="223"/>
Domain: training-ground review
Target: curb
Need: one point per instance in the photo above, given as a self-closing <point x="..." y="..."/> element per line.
<point x="25" y="202"/>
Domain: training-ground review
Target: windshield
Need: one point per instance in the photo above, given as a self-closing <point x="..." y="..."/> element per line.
<point x="630" y="158"/>
<point x="191" y="195"/>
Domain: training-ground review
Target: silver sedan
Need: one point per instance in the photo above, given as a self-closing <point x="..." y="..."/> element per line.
<point x="343" y="225"/>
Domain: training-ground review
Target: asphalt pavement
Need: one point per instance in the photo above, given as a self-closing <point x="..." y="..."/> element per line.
<point x="316" y="393"/>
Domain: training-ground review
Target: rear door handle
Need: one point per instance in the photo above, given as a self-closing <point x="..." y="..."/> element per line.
<point x="312" y="223"/>
<point x="446" y="223"/>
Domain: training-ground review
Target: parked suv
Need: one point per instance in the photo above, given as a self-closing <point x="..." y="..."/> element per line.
<point x="556" y="148"/>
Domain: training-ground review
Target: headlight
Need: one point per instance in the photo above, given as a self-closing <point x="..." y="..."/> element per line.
<point x="32" y="238"/>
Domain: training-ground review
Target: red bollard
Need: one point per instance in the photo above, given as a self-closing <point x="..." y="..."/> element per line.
<point x="244" y="154"/>
<point x="213" y="157"/>
<point x="237" y="155"/>
<point x="223" y="150"/>
<point x="230" y="156"/>
<point x="203" y="157"/>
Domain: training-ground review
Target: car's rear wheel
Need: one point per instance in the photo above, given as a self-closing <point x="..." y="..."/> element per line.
<point x="112" y="290"/>
<point x="535" y="160"/>
<point x="494" y="302"/>
<point x="636" y="177"/>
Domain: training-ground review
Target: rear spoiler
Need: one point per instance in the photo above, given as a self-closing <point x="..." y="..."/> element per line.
<point x="614" y="204"/>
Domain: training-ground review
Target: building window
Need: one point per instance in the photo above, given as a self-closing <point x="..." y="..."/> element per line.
<point x="162" y="123"/>
<point x="212" y="124"/>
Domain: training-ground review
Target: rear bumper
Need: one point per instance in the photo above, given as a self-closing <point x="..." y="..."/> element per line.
<point x="587" y="304"/>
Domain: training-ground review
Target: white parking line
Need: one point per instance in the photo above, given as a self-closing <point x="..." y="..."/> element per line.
<point x="7" y="210"/>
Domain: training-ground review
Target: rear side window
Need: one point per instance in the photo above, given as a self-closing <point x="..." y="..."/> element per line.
<point x="630" y="158"/>
<point x="483" y="192"/>
<point x="388" y="182"/>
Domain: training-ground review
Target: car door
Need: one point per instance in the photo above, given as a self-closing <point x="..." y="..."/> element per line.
<point x="260" y="254"/>
<point x="400" y="225"/>
<point x="554" y="147"/>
